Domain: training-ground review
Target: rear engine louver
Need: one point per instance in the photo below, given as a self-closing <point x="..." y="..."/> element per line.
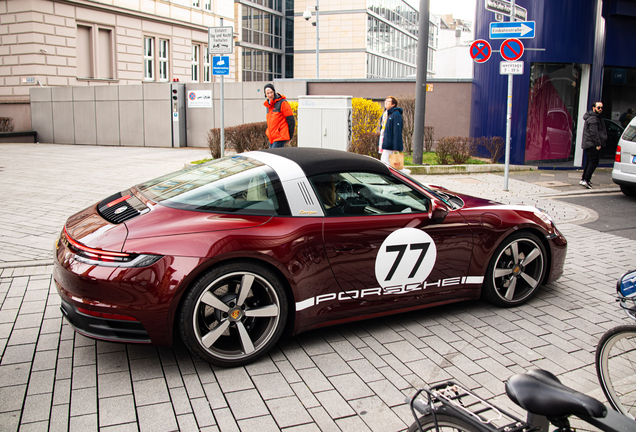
<point x="121" y="207"/>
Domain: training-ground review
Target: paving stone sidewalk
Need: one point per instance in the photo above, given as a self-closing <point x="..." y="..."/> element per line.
<point x="344" y="378"/>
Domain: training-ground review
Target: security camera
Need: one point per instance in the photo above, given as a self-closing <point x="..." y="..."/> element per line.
<point x="307" y="14"/>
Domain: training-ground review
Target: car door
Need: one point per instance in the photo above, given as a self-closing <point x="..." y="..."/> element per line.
<point x="385" y="248"/>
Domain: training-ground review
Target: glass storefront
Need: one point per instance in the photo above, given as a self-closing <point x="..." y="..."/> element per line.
<point x="552" y="111"/>
<point x="619" y="95"/>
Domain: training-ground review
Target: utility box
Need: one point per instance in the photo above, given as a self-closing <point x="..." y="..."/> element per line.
<point x="324" y="122"/>
<point x="177" y="103"/>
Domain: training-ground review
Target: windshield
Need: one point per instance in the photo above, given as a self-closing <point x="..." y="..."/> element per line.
<point x="231" y="184"/>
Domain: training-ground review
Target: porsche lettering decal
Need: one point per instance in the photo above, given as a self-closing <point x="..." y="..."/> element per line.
<point x="388" y="290"/>
<point x="307" y="212"/>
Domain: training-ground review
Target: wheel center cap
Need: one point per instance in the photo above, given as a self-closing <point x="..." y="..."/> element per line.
<point x="235" y="314"/>
<point x="516" y="270"/>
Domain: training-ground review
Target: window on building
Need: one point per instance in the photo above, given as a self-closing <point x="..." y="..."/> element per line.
<point x="156" y="59"/>
<point x="195" y="3"/>
<point x="207" y="5"/>
<point x="207" y="70"/>
<point x="95" y="53"/>
<point x="195" y="63"/>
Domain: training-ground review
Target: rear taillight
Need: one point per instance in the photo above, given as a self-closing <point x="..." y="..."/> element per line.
<point x="93" y="256"/>
<point x="617" y="156"/>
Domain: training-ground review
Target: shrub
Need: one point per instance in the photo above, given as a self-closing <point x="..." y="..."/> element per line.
<point x="214" y="142"/>
<point x="294" y="139"/>
<point x="494" y="145"/>
<point x="365" y="119"/>
<point x="428" y="138"/>
<point x="407" y="103"/>
<point x="366" y="144"/>
<point x="455" y="149"/>
<point x="6" y="124"/>
<point x="241" y="138"/>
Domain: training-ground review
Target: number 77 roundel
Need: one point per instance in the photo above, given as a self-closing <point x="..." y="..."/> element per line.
<point x="407" y="256"/>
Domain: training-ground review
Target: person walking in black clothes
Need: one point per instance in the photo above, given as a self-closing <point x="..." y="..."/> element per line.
<point x="594" y="138"/>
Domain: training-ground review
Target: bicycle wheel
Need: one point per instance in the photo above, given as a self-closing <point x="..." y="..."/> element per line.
<point x="446" y="422"/>
<point x="616" y="368"/>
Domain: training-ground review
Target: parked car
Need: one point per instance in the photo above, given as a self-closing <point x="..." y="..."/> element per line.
<point x="614" y="132"/>
<point x="624" y="172"/>
<point x="235" y="252"/>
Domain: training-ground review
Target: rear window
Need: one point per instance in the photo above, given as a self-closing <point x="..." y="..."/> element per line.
<point x="235" y="184"/>
<point x="630" y="133"/>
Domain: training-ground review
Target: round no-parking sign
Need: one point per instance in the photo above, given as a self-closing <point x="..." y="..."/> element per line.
<point x="480" y="51"/>
<point x="512" y="49"/>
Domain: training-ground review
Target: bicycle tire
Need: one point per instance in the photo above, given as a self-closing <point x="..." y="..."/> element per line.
<point x="616" y="368"/>
<point x="448" y="422"/>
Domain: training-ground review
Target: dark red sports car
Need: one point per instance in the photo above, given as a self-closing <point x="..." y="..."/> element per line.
<point x="236" y="251"/>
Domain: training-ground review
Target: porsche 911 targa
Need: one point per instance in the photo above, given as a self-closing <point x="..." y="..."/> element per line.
<point x="233" y="253"/>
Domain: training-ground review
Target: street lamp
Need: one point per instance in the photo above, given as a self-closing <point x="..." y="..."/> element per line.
<point x="307" y="16"/>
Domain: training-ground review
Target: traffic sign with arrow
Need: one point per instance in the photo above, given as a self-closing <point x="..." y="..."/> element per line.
<point x="480" y="51"/>
<point x="513" y="29"/>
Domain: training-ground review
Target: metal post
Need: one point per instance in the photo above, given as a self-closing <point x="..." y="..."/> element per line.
<point x="317" y="41"/>
<point x="509" y="113"/>
<point x="222" y="119"/>
<point x="420" y="83"/>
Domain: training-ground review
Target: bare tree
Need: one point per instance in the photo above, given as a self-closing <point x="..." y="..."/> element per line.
<point x="407" y="103"/>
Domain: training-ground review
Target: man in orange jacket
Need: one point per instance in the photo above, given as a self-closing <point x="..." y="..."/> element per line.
<point x="280" y="118"/>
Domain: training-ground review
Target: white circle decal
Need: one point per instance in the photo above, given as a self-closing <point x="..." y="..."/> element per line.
<point x="407" y="256"/>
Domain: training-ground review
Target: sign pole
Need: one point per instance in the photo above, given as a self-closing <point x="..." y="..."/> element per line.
<point x="509" y="114"/>
<point x="222" y="118"/>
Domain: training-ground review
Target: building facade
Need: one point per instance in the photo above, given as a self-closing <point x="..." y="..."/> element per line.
<point x="581" y="53"/>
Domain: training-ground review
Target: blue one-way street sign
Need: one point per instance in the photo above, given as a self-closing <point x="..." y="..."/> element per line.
<point x="512" y="29"/>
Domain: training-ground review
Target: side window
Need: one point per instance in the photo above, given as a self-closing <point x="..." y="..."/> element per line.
<point x="344" y="194"/>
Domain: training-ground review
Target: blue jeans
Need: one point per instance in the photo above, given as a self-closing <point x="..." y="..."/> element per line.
<point x="278" y="144"/>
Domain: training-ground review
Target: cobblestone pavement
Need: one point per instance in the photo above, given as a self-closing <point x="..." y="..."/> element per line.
<point x="351" y="377"/>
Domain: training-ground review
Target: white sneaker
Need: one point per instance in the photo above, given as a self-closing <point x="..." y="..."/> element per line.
<point x="585" y="184"/>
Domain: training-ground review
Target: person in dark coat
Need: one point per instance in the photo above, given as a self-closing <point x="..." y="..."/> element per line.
<point x="594" y="139"/>
<point x="391" y="129"/>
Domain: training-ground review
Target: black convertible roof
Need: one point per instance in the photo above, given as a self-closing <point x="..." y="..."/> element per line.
<point x="315" y="161"/>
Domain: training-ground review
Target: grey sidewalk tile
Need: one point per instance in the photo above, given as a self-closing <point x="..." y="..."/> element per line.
<point x="412" y="339"/>
<point x="41" y="382"/>
<point x="62" y="392"/>
<point x="398" y="365"/>
<point x="305" y="395"/>
<point x="146" y="368"/>
<point x="202" y="412"/>
<point x="116" y="410"/>
<point x="425" y="369"/>
<point x="84" y="377"/>
<point x="14" y="374"/>
<point x="272" y="385"/>
<point x="24" y="336"/>
<point x="314" y="344"/>
<point x="298" y="358"/>
<point x="193" y="386"/>
<point x="233" y="379"/>
<point x="33" y="306"/>
<point x="288" y="411"/>
<point x="365" y="370"/>
<point x="83" y="341"/>
<point x="377" y="415"/>
<point x="64" y="368"/>
<point x="114" y="384"/>
<point x="346" y="350"/>
<point x="184" y="360"/>
<point x="41" y="426"/>
<point x="18" y="354"/>
<point x="65" y="349"/>
<point x="49" y="341"/>
<point x="12" y="398"/>
<point x="7" y="315"/>
<point x="44" y="360"/>
<point x="84" y="356"/>
<point x="215" y="396"/>
<point x="323" y="420"/>
<point x="10" y="421"/>
<point x="180" y="401"/>
<point x="5" y="330"/>
<point x="205" y="373"/>
<point x="157" y="418"/>
<point x="84" y="401"/>
<point x="315" y="379"/>
<point x="331" y="364"/>
<point x="373" y="357"/>
<point x="36" y="408"/>
<point x="187" y="423"/>
<point x="12" y="303"/>
<point x="166" y="354"/>
<point x="128" y="427"/>
<point x="104" y="347"/>
<point x="225" y="420"/>
<point x="28" y="320"/>
<point x="149" y="392"/>
<point x="67" y="332"/>
<point x="112" y="362"/>
<point x="245" y="404"/>
<point x="352" y="424"/>
<point x="136" y="352"/>
<point x="375" y="346"/>
<point x="84" y="423"/>
<point x="386" y="391"/>
<point x="381" y="332"/>
<point x="173" y="376"/>
<point x="288" y="371"/>
<point x="334" y="404"/>
<point x="263" y="365"/>
<point x="350" y="386"/>
<point x="259" y="424"/>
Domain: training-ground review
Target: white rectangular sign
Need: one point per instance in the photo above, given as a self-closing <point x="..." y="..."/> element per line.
<point x="220" y="40"/>
<point x="200" y="99"/>
<point x="511" y="68"/>
<point x="504" y="6"/>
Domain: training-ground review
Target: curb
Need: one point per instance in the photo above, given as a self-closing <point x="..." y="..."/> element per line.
<point x="464" y="169"/>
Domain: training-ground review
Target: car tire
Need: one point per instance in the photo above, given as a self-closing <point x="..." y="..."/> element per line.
<point x="516" y="270"/>
<point x="628" y="191"/>
<point x="233" y="314"/>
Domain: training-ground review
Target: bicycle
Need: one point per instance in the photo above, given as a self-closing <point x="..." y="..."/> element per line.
<point x="616" y="353"/>
<point x="547" y="401"/>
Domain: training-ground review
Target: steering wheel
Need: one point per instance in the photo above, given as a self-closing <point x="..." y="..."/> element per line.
<point x="343" y="186"/>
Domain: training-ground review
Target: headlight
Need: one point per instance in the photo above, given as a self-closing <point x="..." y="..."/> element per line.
<point x="544" y="215"/>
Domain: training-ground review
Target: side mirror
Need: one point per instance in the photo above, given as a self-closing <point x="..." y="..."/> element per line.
<point x="626" y="285"/>
<point x="437" y="212"/>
